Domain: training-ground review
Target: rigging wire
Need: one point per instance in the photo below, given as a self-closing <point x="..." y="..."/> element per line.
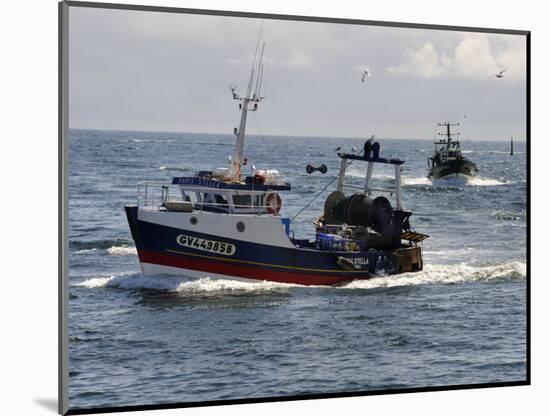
<point x="248" y="90"/>
<point x="268" y="146"/>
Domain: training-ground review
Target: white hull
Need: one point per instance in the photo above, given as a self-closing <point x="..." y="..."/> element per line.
<point x="157" y="269"/>
<point x="261" y="229"/>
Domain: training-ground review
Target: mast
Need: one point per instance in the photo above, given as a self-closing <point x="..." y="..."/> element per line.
<point x="512" y="146"/>
<point x="448" y="133"/>
<point x="247" y="103"/>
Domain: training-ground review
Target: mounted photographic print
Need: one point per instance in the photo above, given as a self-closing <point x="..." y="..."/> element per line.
<point x="264" y="207"/>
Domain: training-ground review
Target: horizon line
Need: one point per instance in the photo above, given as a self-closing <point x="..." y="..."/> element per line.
<point x="522" y="140"/>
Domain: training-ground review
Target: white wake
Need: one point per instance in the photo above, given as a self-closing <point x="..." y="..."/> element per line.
<point x="436" y="273"/>
<point x="479" y="181"/>
<point x="423" y="180"/>
<point x="182" y="284"/>
<point x="432" y="274"/>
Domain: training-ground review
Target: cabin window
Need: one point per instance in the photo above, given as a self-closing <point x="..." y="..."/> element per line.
<point x="259" y="200"/>
<point x="241" y="200"/>
<point x="208" y="198"/>
<point x="220" y="200"/>
<point x="214" y="199"/>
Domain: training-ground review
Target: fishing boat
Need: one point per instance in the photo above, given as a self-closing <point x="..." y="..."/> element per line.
<point x="447" y="164"/>
<point x="224" y="223"/>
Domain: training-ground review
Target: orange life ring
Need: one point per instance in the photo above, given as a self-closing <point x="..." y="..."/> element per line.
<point x="273" y="203"/>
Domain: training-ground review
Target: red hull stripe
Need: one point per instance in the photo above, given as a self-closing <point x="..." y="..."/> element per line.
<point x="247" y="272"/>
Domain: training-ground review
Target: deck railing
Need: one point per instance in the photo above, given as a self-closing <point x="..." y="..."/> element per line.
<point x="156" y="195"/>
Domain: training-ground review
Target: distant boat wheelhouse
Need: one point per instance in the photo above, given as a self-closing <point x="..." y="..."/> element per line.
<point x="448" y="164"/>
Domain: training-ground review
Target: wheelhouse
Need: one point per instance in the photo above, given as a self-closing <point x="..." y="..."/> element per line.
<point x="187" y="194"/>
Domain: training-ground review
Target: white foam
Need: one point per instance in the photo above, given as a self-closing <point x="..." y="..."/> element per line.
<point x="94" y="282"/>
<point x="150" y="141"/>
<point x="171" y="168"/>
<point x="437" y="273"/>
<point x="214" y="285"/>
<point x="182" y="284"/>
<point x="500" y="152"/>
<point x="421" y="180"/>
<point x="357" y="172"/>
<point x="479" y="181"/>
<point x="454" y="253"/>
<point x="432" y="273"/>
<point x="86" y="250"/>
<point x="121" y="251"/>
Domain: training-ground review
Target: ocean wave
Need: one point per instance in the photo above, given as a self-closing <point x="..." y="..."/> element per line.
<point x="477" y="181"/>
<point x="183" y="285"/>
<point x="147" y="140"/>
<point x="360" y="173"/>
<point x="501" y="152"/>
<point x="421" y="180"/>
<point x="432" y="273"/>
<point x="424" y="181"/>
<point x="121" y="251"/>
<point x="173" y="169"/>
<point x="438" y="273"/>
<point x="86" y="251"/>
<point x="480" y="181"/>
<point x="456" y="253"/>
<point x="503" y="215"/>
<point x="115" y="250"/>
<point x="80" y="245"/>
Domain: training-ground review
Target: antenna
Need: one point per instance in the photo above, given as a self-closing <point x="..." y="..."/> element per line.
<point x="264" y="83"/>
<point x="254" y="60"/>
<point x="261" y="79"/>
<point x="448" y="133"/>
<point x="260" y="66"/>
<point x="247" y="103"/>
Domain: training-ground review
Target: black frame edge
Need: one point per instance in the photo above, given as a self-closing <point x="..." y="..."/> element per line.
<point x="182" y="405"/>
<point x="63" y="210"/>
<point x="255" y="15"/>
<point x="528" y="151"/>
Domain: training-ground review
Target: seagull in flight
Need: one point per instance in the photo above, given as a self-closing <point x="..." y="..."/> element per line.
<point x="365" y="75"/>
<point x="500" y="74"/>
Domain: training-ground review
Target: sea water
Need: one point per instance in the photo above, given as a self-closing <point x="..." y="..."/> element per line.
<point x="138" y="339"/>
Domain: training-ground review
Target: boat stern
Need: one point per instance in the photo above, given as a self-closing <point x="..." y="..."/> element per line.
<point x="408" y="259"/>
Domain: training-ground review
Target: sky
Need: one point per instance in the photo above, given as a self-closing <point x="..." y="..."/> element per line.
<point x="152" y="71"/>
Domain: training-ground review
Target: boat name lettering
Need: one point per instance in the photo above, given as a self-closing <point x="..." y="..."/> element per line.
<point x="217" y="247"/>
<point x="360" y="260"/>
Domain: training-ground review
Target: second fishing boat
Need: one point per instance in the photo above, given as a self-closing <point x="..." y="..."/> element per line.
<point x="448" y="165"/>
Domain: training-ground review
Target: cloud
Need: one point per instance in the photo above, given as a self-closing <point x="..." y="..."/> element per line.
<point x="297" y="59"/>
<point x="423" y="62"/>
<point x="293" y="59"/>
<point x="475" y="57"/>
